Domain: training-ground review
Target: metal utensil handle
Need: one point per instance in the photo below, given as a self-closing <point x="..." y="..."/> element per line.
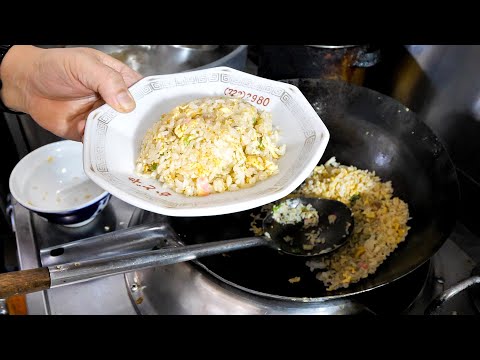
<point x="115" y="243"/>
<point x="26" y="281"/>
<point x="436" y="304"/>
<point x="84" y="270"/>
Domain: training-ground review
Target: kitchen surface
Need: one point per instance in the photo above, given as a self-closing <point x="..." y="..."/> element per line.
<point x="426" y="79"/>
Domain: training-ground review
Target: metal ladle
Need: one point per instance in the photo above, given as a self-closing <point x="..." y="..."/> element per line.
<point x="335" y="223"/>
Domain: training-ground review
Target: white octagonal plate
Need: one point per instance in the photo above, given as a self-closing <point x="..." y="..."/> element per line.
<point x="112" y="140"/>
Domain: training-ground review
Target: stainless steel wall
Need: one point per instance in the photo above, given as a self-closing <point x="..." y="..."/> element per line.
<point x="442" y="83"/>
<point x="452" y="109"/>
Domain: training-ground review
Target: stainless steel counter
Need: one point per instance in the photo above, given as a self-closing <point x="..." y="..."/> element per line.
<point x="101" y="296"/>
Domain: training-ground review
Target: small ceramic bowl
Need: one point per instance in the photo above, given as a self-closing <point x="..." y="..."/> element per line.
<point x="50" y="181"/>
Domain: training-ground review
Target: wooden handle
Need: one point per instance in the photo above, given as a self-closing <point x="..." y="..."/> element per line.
<point x="17" y="305"/>
<point x="24" y="282"/>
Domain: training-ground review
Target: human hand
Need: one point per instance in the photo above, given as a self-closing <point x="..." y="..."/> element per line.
<point x="58" y="88"/>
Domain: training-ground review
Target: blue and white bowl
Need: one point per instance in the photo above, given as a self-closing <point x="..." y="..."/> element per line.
<point x="51" y="182"/>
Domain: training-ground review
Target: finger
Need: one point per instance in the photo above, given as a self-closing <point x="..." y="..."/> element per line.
<point x="111" y="86"/>
<point x="130" y="76"/>
<point x="81" y="121"/>
<point x="81" y="128"/>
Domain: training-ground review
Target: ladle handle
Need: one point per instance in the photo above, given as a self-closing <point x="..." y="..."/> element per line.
<point x="26" y="281"/>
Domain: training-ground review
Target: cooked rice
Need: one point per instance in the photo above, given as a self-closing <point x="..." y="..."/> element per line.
<point x="380" y="222"/>
<point x="211" y="145"/>
<point x="293" y="212"/>
<point x="314" y="237"/>
<point x="332" y="218"/>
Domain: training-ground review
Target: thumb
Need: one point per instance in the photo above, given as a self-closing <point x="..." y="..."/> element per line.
<point x="111" y="86"/>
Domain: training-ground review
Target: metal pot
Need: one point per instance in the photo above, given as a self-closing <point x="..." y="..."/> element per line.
<point x="167" y="59"/>
<point x="330" y="62"/>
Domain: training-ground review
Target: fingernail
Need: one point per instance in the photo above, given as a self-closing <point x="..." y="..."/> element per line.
<point x="125" y="101"/>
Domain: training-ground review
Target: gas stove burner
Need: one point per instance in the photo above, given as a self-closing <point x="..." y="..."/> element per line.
<point x="216" y="285"/>
<point x="183" y="289"/>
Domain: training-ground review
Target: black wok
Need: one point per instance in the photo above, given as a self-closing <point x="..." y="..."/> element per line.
<point x="371" y="131"/>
